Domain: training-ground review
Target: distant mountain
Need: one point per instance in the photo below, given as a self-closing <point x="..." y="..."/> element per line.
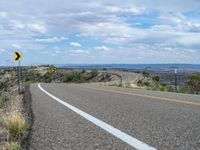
<point x="131" y="66"/>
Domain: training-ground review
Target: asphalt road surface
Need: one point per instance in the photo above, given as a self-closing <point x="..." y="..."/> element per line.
<point x="91" y="116"/>
<point x="130" y="77"/>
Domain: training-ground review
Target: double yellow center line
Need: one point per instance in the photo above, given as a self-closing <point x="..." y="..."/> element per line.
<point x="146" y="96"/>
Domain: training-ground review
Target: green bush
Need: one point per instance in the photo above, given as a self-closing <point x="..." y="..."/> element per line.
<point x="184" y="90"/>
<point x="94" y="72"/>
<point x="162" y="88"/>
<point x="47" y="77"/>
<point x="156" y="78"/>
<point x="139" y="83"/>
<point x="146" y="83"/>
<point x="170" y="88"/>
<point x="14" y="146"/>
<point x="146" y="74"/>
<point x="193" y="82"/>
<point x="3" y="99"/>
<point x="73" y="77"/>
<point x="3" y="85"/>
<point x="116" y="84"/>
<point x="83" y="71"/>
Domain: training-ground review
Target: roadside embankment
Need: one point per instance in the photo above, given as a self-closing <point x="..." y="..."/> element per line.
<point x="15" y="120"/>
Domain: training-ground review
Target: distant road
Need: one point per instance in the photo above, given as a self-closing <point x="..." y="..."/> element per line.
<point x="89" y="116"/>
<point x="130" y="77"/>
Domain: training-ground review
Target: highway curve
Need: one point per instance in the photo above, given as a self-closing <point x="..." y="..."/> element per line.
<point x="160" y="120"/>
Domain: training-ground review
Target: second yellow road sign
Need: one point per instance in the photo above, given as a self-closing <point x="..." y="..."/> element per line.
<point x="17" y="56"/>
<point x="54" y="70"/>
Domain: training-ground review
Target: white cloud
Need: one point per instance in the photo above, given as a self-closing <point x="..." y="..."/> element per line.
<point x="111" y="32"/>
<point x="3" y="14"/>
<point x="175" y="18"/>
<point x="2" y="50"/>
<point x="82" y="13"/>
<point x="75" y="44"/>
<point x="129" y="24"/>
<point x="193" y="27"/>
<point x="51" y="39"/>
<point x="37" y="28"/>
<point x="16" y="46"/>
<point x="57" y="50"/>
<point x="189" y="39"/>
<point x="131" y="10"/>
<point x="15" y="24"/>
<point x="180" y="22"/>
<point x="162" y="28"/>
<point x="103" y="48"/>
<point x="79" y="51"/>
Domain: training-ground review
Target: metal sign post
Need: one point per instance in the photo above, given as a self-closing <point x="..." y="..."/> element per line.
<point x="18" y="57"/>
<point x="175" y="71"/>
<point x="18" y="80"/>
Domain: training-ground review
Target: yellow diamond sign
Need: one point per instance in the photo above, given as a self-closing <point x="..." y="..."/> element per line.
<point x="54" y="70"/>
<point x="17" y="56"/>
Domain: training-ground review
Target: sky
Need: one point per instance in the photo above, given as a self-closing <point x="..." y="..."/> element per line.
<point x="100" y="32"/>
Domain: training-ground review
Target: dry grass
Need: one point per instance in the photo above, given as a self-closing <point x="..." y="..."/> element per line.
<point x="14" y="146"/>
<point x="16" y="124"/>
<point x="9" y="146"/>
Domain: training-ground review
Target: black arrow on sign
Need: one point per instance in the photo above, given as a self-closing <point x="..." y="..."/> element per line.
<point x="18" y="56"/>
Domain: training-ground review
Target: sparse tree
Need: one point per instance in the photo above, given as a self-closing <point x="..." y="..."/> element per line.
<point x="83" y="71"/>
<point x="156" y="78"/>
<point x="146" y="74"/>
<point x="139" y="83"/>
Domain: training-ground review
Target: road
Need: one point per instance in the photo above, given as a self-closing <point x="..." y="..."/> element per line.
<point x="72" y="116"/>
<point x="128" y="77"/>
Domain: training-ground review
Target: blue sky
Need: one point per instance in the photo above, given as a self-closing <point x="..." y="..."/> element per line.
<point x="100" y="32"/>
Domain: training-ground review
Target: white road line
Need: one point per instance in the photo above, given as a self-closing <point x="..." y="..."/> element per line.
<point x="110" y="129"/>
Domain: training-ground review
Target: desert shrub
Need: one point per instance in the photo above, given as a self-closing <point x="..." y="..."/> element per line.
<point x="116" y="84"/>
<point x="193" y="82"/>
<point x="83" y="71"/>
<point x="146" y="74"/>
<point x="3" y="99"/>
<point x="31" y="76"/>
<point x="169" y="88"/>
<point x="139" y="83"/>
<point x="137" y="71"/>
<point x="3" y="85"/>
<point x="184" y="89"/>
<point x="162" y="88"/>
<point x="146" y="83"/>
<point x="68" y="77"/>
<point x="156" y="78"/>
<point x="163" y="84"/>
<point x="76" y="77"/>
<point x="14" y="146"/>
<point x="94" y="72"/>
<point x="16" y="124"/>
<point x="73" y="77"/>
<point x="47" y="77"/>
<point x="125" y="70"/>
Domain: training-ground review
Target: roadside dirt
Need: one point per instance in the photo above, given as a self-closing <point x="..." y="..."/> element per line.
<point x="20" y="104"/>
